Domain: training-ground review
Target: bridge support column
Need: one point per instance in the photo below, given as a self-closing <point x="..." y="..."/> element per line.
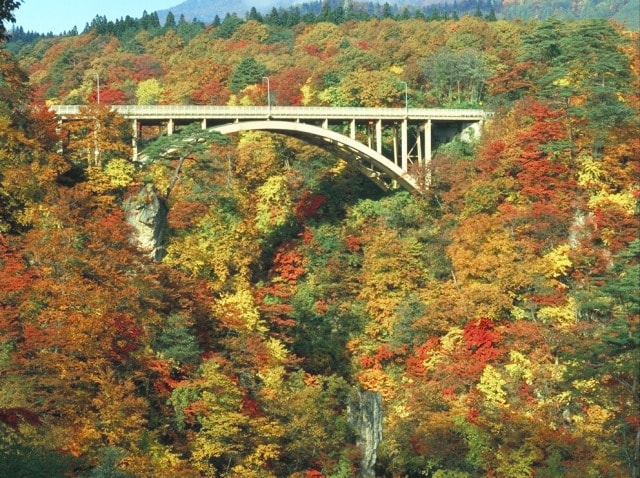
<point x="170" y="127"/>
<point x="134" y="141"/>
<point x="204" y="123"/>
<point x="379" y="136"/>
<point x="325" y="124"/>
<point x="404" y="160"/>
<point x="352" y="129"/>
<point x="427" y="142"/>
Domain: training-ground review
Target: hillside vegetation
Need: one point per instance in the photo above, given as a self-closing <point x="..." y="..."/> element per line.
<point x="496" y="313"/>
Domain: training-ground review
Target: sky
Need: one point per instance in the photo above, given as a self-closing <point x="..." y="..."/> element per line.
<point x="57" y="16"/>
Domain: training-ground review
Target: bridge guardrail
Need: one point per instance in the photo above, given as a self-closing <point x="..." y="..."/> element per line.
<point x="282" y="112"/>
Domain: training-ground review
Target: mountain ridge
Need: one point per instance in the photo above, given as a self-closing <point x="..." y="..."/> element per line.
<point x="622" y="11"/>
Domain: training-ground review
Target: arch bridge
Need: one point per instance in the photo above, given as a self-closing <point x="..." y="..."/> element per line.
<point x="391" y="146"/>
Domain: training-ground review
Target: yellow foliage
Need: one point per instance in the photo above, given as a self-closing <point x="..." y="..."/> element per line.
<point x="450" y="341"/>
<point x="564" y="315"/>
<point x="308" y="94"/>
<point x="279" y="352"/>
<point x="340" y="166"/>
<point x="590" y="171"/>
<point x="557" y="262"/>
<point x="434" y="359"/>
<point x="272" y="377"/>
<point x="517" y="463"/>
<point x="378" y="381"/>
<point x="274" y="207"/>
<point x="491" y="384"/>
<point x="520" y="367"/>
<point x="239" y="307"/>
<point x="594" y="420"/>
<point x="625" y="200"/>
<point x="587" y="389"/>
<point x="517" y="313"/>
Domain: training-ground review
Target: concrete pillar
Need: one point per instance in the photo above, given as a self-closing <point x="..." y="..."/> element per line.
<point x="379" y="136"/>
<point x="404" y="160"/>
<point x="352" y="129"/>
<point x="325" y="123"/>
<point x="134" y="141"/>
<point x="170" y="127"/>
<point x="395" y="145"/>
<point x="204" y="123"/>
<point x="419" y="147"/>
<point x="427" y="142"/>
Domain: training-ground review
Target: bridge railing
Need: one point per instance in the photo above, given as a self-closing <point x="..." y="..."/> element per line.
<point x="282" y="112"/>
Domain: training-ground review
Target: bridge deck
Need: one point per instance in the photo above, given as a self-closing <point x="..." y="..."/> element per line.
<point x="158" y="112"/>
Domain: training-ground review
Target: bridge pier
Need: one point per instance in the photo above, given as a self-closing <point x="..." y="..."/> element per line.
<point x="134" y="140"/>
<point x="404" y="157"/>
<point x="427" y="143"/>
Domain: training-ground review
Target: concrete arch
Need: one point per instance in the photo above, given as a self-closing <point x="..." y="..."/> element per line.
<point x="373" y="164"/>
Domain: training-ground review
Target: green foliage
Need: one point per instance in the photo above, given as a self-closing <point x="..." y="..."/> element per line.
<point x="19" y="458"/>
<point x="176" y="341"/>
<point x="108" y="467"/>
<point x="248" y="72"/>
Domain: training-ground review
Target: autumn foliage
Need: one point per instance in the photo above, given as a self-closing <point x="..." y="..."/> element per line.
<point x="496" y="312"/>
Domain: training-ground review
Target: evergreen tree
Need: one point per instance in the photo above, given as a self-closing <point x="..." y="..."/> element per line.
<point x="249" y="71"/>
<point x="6" y="15"/>
<point x="170" y="21"/>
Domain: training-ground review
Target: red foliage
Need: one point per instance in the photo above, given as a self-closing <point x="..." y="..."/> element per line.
<point x="126" y="335"/>
<point x="147" y="66"/>
<point x="366" y="361"/>
<point x="491" y="154"/>
<point x="288" y="262"/>
<point x="46" y="125"/>
<point x="384" y="353"/>
<point x="288" y="85"/>
<point x="109" y="96"/>
<point x="306" y="235"/>
<point x="353" y="243"/>
<point x="513" y="80"/>
<point x="214" y="92"/>
<point x="163" y="384"/>
<point x="321" y="307"/>
<point x="14" y="416"/>
<point x="477" y="348"/>
<point x="313" y="50"/>
<point x="308" y="205"/>
<point x="480" y="336"/>
<point x="554" y="297"/>
<point x="250" y="407"/>
<point x="472" y="415"/>
<point x="313" y="474"/>
<point x="633" y="421"/>
<point x="185" y="213"/>
<point x="414" y="363"/>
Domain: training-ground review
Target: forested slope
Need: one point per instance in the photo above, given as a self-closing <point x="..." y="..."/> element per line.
<point x="496" y="313"/>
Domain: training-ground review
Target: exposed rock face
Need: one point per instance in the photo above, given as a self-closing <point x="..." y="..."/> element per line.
<point x="147" y="214"/>
<point x="365" y="419"/>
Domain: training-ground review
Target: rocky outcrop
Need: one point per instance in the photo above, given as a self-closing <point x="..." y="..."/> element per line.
<point x="365" y="419"/>
<point x="147" y="214"/>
